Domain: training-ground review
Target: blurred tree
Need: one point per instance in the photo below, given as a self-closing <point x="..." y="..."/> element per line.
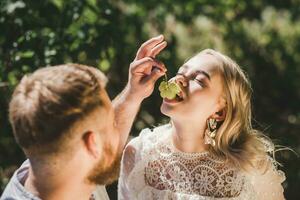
<point x="263" y="36"/>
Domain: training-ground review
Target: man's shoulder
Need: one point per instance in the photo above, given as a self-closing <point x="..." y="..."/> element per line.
<point x="100" y="193"/>
<point x="14" y="190"/>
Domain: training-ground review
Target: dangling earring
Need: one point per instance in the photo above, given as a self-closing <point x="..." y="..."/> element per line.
<point x="210" y="132"/>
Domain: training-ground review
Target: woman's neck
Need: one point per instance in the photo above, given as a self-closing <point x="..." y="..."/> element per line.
<point x="188" y="136"/>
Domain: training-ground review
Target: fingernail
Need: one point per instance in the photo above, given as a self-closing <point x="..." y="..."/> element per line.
<point x="160" y="36"/>
<point x="156" y="70"/>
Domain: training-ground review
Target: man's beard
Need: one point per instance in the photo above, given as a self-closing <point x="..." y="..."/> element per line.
<point x="102" y="175"/>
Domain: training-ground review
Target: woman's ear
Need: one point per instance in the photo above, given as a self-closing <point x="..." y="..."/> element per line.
<point x="221" y="113"/>
<point x="91" y="144"/>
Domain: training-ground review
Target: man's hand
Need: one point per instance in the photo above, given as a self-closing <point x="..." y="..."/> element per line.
<point x="143" y="73"/>
<point x="145" y="69"/>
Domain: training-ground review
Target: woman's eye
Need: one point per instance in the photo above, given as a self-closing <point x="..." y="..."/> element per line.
<point x="199" y="82"/>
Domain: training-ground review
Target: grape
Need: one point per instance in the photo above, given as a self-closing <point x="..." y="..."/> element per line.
<point x="168" y="90"/>
<point x="163" y="85"/>
<point x="171" y="94"/>
<point x="174" y="88"/>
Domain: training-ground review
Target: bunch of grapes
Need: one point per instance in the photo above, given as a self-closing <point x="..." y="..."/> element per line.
<point x="168" y="90"/>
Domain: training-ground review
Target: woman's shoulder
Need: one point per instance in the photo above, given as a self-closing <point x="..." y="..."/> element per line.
<point x="156" y="132"/>
<point x="138" y="150"/>
<point x="150" y="136"/>
<point x="266" y="179"/>
<point x="272" y="167"/>
<point x="268" y="164"/>
<point x="148" y="140"/>
<point x="267" y="169"/>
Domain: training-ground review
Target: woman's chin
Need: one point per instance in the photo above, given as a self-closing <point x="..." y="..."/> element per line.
<point x="167" y="109"/>
<point x="163" y="110"/>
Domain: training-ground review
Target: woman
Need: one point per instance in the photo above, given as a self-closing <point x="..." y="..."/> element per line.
<point x="209" y="150"/>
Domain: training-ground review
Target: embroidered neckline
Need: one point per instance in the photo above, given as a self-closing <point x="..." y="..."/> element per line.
<point x="175" y="150"/>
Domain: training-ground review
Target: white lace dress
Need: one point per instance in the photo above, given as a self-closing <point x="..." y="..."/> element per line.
<point x="153" y="169"/>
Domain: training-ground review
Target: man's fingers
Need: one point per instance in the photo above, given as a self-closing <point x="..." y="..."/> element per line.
<point x="157" y="49"/>
<point x="146" y="64"/>
<point x="160" y="65"/>
<point x="155" y="75"/>
<point x="141" y="62"/>
<point x="147" y="46"/>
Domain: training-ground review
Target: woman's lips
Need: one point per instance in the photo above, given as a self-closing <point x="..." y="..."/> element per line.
<point x="170" y="101"/>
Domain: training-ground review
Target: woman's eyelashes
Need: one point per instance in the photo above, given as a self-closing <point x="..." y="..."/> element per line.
<point x="194" y="77"/>
<point x="200" y="82"/>
<point x="199" y="79"/>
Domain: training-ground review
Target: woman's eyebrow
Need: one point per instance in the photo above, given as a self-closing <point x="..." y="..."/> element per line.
<point x="185" y="67"/>
<point x="202" y="72"/>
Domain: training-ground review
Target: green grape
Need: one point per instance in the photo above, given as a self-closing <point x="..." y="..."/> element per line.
<point x="163" y="94"/>
<point x="168" y="90"/>
<point x="170" y="94"/>
<point x="163" y="85"/>
<point x="174" y="88"/>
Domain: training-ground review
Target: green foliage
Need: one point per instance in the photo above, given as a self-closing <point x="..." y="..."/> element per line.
<point x="263" y="36"/>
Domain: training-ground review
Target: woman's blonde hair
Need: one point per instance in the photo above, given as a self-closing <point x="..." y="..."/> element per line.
<point x="236" y="140"/>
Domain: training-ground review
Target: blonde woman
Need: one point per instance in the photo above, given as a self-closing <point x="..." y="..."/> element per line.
<point x="209" y="150"/>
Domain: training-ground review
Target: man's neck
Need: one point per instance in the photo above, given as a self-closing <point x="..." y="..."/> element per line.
<point x="56" y="181"/>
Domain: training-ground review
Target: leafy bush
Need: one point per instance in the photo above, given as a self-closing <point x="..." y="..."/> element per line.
<point x="263" y="36"/>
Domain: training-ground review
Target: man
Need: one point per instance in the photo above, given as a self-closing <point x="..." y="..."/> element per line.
<point x="70" y="131"/>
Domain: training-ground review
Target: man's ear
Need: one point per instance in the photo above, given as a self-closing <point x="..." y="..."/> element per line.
<point x="91" y="144"/>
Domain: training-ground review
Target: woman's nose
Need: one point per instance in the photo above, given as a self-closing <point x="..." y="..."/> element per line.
<point x="180" y="80"/>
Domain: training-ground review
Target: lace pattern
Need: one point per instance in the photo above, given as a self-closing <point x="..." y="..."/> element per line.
<point x="160" y="171"/>
<point x="199" y="174"/>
